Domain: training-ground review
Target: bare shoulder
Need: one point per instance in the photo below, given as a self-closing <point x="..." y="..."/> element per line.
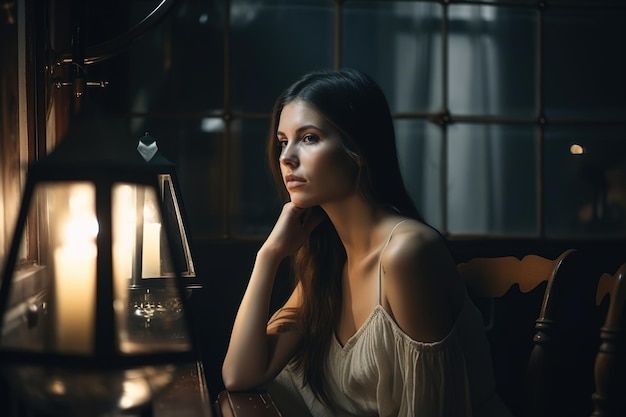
<point x="421" y="286"/>
<point x="414" y="244"/>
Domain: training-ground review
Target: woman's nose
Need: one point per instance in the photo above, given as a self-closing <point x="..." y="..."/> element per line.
<point x="288" y="156"/>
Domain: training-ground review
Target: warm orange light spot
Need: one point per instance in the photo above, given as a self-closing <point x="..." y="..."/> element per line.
<point x="576" y="149"/>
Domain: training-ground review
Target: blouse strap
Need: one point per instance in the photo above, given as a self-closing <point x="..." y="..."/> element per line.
<point x="380" y="259"/>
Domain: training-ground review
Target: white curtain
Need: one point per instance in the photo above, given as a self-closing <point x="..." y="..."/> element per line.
<point x="475" y="176"/>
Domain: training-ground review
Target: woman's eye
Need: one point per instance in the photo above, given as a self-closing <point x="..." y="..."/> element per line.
<point x="282" y="143"/>
<point x="309" y="138"/>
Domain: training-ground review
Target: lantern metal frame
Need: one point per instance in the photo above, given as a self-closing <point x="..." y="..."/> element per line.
<point x="162" y="166"/>
<point x="105" y="355"/>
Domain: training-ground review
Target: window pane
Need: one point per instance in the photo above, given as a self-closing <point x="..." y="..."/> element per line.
<point x="273" y="44"/>
<point x="178" y="65"/>
<point x="10" y="138"/>
<point x="255" y="204"/>
<point x="585" y="193"/>
<point x="194" y="146"/>
<point x="585" y="63"/>
<point x="492" y="60"/>
<point x="399" y="44"/>
<point x="590" y="3"/>
<point x="506" y="2"/>
<point x="492" y="179"/>
<point x="419" y="150"/>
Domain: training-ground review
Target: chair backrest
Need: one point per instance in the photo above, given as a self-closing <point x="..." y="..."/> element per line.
<point x="560" y="367"/>
<point x="493" y="277"/>
<point x="611" y="358"/>
<point x="525" y="302"/>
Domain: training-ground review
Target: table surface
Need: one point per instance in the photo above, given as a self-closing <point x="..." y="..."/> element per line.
<point x="187" y="396"/>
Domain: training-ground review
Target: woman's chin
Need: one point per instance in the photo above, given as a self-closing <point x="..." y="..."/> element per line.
<point x="302" y="203"/>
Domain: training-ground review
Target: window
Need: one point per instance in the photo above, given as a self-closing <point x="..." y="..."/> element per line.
<point x="488" y="99"/>
<point x="17" y="121"/>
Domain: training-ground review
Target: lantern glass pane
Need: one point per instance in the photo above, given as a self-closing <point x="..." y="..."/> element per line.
<point x="60" y="295"/>
<point x="180" y="241"/>
<point x="148" y="309"/>
<point x="137" y="233"/>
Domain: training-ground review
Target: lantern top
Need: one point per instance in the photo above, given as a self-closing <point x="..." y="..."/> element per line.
<point x="98" y="146"/>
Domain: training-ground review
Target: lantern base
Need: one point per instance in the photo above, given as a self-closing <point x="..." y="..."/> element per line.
<point x="78" y="393"/>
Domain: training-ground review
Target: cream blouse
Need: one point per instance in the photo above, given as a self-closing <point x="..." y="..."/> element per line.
<point x="382" y="372"/>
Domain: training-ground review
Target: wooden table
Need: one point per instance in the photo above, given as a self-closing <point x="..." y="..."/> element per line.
<point x="186" y="397"/>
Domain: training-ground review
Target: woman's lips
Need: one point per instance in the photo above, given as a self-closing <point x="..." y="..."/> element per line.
<point x="291" y="181"/>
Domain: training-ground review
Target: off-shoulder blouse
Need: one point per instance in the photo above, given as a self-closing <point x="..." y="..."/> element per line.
<point x="381" y="371"/>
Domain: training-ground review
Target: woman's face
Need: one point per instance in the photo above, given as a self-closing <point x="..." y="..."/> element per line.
<point x="315" y="167"/>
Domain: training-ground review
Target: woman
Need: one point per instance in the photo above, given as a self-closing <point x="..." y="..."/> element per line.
<point x="379" y="322"/>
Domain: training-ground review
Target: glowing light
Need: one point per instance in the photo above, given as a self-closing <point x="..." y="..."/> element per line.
<point x="75" y="272"/>
<point x="57" y="387"/>
<point x="576" y="149"/>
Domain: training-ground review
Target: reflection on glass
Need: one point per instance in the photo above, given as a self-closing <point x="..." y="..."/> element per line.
<point x="585" y="192"/>
<point x="78" y="393"/>
<point x="576" y="149"/>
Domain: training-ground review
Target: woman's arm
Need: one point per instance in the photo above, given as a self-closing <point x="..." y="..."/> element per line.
<point x="257" y="352"/>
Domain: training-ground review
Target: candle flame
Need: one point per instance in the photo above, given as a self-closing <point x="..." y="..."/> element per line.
<point x="83" y="226"/>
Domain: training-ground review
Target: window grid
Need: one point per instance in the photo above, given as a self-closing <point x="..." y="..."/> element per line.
<point x="444" y="117"/>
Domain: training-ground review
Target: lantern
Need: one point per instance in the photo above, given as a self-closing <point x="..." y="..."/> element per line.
<point x="82" y="333"/>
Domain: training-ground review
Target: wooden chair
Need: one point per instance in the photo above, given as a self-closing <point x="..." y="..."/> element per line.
<point x="527" y="304"/>
<point x="611" y="358"/>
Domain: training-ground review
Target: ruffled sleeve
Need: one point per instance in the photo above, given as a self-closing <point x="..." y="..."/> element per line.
<point x="427" y="380"/>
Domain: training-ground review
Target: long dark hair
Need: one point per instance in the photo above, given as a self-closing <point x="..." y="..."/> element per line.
<point x="356" y="106"/>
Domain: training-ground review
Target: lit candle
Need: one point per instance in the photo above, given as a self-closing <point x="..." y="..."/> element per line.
<point x="151" y="261"/>
<point x="124" y="228"/>
<point x="75" y="275"/>
<point x="151" y="245"/>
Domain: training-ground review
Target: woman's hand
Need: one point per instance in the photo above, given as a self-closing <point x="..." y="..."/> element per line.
<point x="292" y="228"/>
